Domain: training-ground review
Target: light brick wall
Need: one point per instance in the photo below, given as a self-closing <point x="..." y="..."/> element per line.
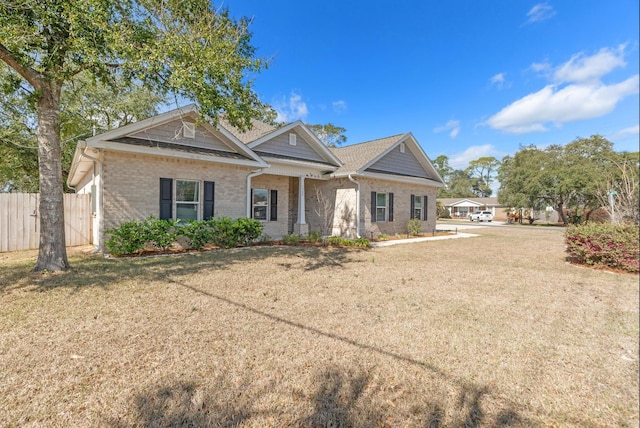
<point x="401" y="206"/>
<point x="275" y="229"/>
<point x="132" y="185"/>
<point x="344" y="204"/>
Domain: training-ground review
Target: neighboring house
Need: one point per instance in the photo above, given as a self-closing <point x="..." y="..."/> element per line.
<point x="462" y="207"/>
<point x="175" y="165"/>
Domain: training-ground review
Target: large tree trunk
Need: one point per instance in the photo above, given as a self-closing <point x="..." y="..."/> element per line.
<point x="52" y="255"/>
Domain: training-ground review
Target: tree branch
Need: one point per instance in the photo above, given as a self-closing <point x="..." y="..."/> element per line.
<point x="29" y="74"/>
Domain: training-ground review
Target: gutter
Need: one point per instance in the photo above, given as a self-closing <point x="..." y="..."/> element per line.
<point x="357" y="205"/>
<point x="249" y="177"/>
<point x="99" y="202"/>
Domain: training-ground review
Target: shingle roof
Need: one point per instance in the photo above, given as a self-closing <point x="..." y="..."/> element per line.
<point x="356" y="156"/>
<point x="481" y="201"/>
<point x="178" y="147"/>
<point x="258" y="130"/>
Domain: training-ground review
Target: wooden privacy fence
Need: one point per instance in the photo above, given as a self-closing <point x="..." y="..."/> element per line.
<point x="20" y="223"/>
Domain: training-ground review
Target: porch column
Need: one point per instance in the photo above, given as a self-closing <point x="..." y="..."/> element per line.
<point x="301" y="227"/>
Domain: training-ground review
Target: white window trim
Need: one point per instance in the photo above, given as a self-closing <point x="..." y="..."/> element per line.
<point x="416" y="208"/>
<point x="176" y="201"/>
<point x="253" y="205"/>
<point x="188" y="129"/>
<point x="385" y="207"/>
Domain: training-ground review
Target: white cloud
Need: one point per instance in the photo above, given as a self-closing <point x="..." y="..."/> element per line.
<point x="626" y="133"/>
<point x="461" y="160"/>
<point x="576" y="93"/>
<point x="540" y="12"/>
<point x="581" y="68"/>
<point x="339" y="106"/>
<point x="500" y="81"/>
<point x="292" y="109"/>
<point x="452" y="125"/>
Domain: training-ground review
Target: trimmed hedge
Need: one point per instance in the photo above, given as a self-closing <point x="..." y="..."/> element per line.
<point x="604" y="244"/>
<point x="131" y="237"/>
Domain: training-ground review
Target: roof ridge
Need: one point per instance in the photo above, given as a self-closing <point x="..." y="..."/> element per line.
<point x="371" y="141"/>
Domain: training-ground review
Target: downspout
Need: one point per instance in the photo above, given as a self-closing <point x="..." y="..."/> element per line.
<point x="357" y="205"/>
<point x="99" y="206"/>
<point x="249" y="177"/>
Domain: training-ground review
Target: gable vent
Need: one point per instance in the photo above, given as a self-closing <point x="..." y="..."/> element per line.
<point x="401" y="147"/>
<point x="189" y="130"/>
<point x="292" y="139"/>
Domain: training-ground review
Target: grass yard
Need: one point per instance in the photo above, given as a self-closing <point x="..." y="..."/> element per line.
<point x="434" y="334"/>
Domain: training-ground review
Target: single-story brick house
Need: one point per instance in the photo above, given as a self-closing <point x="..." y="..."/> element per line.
<point x="462" y="207"/>
<point x="175" y="165"/>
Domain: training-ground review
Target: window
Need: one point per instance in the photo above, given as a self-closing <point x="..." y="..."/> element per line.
<point x="416" y="205"/>
<point x="187" y="199"/>
<point x="260" y="204"/>
<point x="381" y="207"/>
<point x="189" y="129"/>
<point x="419" y="207"/>
<point x="264" y="204"/>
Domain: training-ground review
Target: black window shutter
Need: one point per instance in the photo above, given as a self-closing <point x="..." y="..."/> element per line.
<point x="273" y="213"/>
<point x="209" y="199"/>
<point x="373" y="207"/>
<point x="412" y="206"/>
<point x="166" y="198"/>
<point x="390" y="206"/>
<point x="251" y="207"/>
<point x="425" y="205"/>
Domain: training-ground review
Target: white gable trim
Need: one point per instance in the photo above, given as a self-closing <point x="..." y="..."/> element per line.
<point x="313" y="141"/>
<point x="413" y="146"/>
<point x="395" y="178"/>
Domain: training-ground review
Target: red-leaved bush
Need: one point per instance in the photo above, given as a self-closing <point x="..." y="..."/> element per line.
<point x="605" y="244"/>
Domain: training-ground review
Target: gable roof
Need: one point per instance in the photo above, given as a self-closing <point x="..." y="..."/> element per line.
<point x="133" y="138"/>
<point x="360" y="159"/>
<point x="450" y="202"/>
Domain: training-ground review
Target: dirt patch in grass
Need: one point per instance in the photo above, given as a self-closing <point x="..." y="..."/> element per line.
<point x="409" y="335"/>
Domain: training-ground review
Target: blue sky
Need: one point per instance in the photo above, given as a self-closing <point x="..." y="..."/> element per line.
<point x="468" y="78"/>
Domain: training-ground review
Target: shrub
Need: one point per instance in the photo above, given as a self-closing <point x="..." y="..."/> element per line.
<point x="314" y="237"/>
<point x="223" y="234"/>
<point x="246" y="230"/>
<point x="414" y="226"/>
<point x="291" y="239"/>
<point x="346" y="242"/>
<point x="128" y="238"/>
<point x="198" y="233"/>
<point x="604" y="244"/>
<point x="382" y="237"/>
<point x="160" y="233"/>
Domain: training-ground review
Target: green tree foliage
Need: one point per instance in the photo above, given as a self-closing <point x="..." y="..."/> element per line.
<point x="482" y="172"/>
<point x="330" y="134"/>
<point x="459" y="182"/>
<point x="87" y="106"/>
<point x="188" y="48"/>
<point x="564" y="177"/>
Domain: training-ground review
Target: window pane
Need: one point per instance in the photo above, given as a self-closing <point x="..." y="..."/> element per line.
<point x="381" y="199"/>
<point x="381" y="214"/>
<point x="187" y="211"/>
<point x="417" y="213"/>
<point x="260" y="197"/>
<point x="187" y="191"/>
<point x="260" y="212"/>
<point x="417" y="201"/>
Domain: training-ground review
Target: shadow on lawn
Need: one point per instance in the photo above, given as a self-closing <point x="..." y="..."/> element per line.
<point x="337" y="397"/>
<point x="96" y="271"/>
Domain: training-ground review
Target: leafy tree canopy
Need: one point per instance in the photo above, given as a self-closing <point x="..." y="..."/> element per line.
<point x="330" y="134"/>
<point x="187" y="48"/>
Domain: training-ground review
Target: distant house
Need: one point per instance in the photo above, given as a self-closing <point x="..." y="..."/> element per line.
<point x="175" y="165"/>
<point x="462" y="207"/>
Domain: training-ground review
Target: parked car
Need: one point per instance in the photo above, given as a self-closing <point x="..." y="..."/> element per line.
<point x="481" y="216"/>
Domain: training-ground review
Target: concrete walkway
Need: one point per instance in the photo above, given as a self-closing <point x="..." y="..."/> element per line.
<point x="458" y="235"/>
